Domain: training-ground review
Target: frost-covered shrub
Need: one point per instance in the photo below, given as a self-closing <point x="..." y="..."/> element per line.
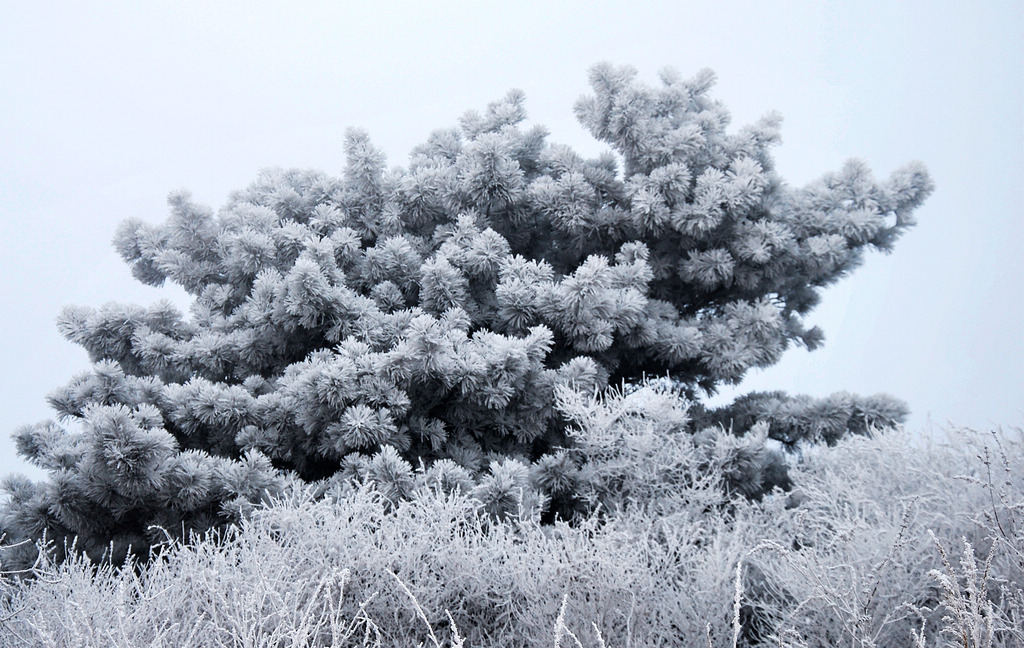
<point x="367" y="322"/>
<point x="852" y="564"/>
<point x="286" y="568"/>
<point x="868" y="540"/>
<point x="637" y="448"/>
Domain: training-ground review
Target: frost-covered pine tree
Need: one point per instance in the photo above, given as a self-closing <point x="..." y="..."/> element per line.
<point x="427" y="315"/>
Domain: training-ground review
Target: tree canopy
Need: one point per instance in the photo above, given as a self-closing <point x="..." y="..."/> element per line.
<point x="363" y="324"/>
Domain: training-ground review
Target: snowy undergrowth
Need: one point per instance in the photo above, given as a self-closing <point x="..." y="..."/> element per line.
<point x="885" y="541"/>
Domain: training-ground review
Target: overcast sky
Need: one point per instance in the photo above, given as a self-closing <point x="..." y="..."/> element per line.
<point x="107" y="107"/>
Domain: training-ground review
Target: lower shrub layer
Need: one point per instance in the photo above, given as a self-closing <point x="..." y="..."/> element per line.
<point x="846" y="559"/>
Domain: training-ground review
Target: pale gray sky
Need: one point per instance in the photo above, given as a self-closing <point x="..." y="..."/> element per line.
<point x="107" y="107"/>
